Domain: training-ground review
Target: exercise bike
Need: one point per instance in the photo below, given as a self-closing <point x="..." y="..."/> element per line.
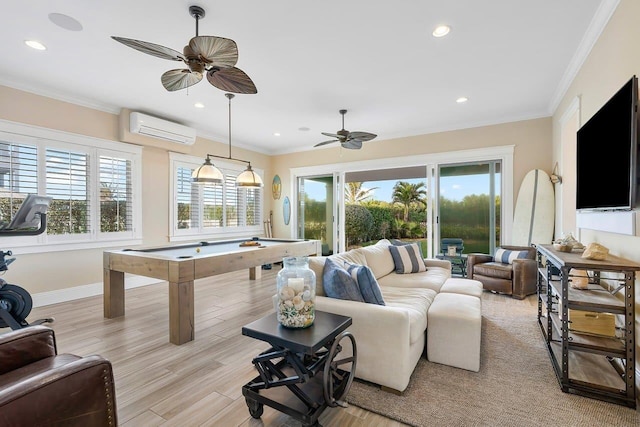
<point x="15" y="301"/>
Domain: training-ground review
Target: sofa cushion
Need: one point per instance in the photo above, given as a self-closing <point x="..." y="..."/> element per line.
<point x="316" y="263"/>
<point x="354" y="256"/>
<point x="493" y="269"/>
<point x="506" y="256"/>
<point x="338" y="283"/>
<point x="367" y="283"/>
<point x="378" y="258"/>
<point x="432" y="279"/>
<point x="416" y="301"/>
<point x="407" y="258"/>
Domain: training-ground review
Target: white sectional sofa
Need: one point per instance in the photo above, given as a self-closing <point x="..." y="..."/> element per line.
<point x="391" y="338"/>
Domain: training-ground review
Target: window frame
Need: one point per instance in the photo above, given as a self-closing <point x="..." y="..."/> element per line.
<point x="43" y="138"/>
<point x="177" y="160"/>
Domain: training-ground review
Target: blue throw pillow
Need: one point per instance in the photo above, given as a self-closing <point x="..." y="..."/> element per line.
<point x="369" y="287"/>
<point x="338" y="283"/>
<point x="408" y="258"/>
<point x="506" y="256"/>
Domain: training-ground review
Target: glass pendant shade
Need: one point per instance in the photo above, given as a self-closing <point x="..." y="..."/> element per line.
<point x="207" y="174"/>
<point x="248" y="178"/>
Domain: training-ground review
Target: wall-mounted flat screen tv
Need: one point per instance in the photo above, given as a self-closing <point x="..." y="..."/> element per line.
<point x="607" y="154"/>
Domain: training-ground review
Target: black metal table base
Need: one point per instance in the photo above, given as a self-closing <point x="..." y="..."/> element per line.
<point x="289" y="382"/>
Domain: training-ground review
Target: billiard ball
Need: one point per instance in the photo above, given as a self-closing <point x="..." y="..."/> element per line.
<point x="198" y="250"/>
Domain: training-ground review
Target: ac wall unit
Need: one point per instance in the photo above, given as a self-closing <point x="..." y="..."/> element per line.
<point x="144" y="124"/>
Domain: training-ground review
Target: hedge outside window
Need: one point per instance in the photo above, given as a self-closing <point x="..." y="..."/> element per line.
<point x="93" y="187"/>
<point x="207" y="210"/>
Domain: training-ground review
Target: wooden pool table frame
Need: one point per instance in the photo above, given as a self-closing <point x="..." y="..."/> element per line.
<point x="181" y="273"/>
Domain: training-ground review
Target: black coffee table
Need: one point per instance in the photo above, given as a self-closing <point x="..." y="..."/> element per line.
<point x="302" y="373"/>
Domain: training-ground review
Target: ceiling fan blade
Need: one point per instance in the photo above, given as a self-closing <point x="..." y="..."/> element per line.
<point x="332" y="135"/>
<point x="151" y="49"/>
<point x="352" y="144"/>
<point x="325" y="143"/>
<point x="231" y="80"/>
<point x="215" y="51"/>
<point x="179" y="79"/>
<point x="362" y="136"/>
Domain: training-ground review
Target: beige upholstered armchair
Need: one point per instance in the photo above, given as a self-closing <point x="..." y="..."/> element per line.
<point x="514" y="276"/>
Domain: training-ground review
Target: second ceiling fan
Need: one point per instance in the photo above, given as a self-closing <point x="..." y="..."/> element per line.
<point x="350" y="140"/>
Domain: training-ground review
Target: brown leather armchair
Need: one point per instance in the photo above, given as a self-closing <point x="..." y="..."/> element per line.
<point x="39" y="387"/>
<point x="517" y="279"/>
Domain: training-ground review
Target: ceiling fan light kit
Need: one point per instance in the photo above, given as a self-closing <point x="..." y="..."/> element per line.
<point x="349" y="140"/>
<point x="212" y="56"/>
<point x="209" y="174"/>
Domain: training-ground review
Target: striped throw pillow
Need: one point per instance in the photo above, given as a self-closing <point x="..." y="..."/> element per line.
<point x="407" y="258"/>
<point x="369" y="287"/>
<point x="506" y="256"/>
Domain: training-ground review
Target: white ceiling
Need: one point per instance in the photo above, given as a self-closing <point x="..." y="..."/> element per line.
<point x="308" y="59"/>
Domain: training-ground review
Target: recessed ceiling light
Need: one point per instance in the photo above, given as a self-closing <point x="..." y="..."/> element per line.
<point x="276" y="134"/>
<point x="198" y="105"/>
<point x="35" y="44"/>
<point x="462" y="100"/>
<point x="441" y="31"/>
<point x="65" y="21"/>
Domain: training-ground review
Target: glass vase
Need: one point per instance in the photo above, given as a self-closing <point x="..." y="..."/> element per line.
<point x="296" y="293"/>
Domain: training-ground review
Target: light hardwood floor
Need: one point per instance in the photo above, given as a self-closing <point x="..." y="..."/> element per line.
<point x="198" y="383"/>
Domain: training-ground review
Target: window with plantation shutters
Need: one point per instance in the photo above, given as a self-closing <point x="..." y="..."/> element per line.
<point x="208" y="210"/>
<point x="94" y="185"/>
<point x="116" y="194"/>
<point x="67" y="181"/>
<point x="18" y="176"/>
<point x="186" y="200"/>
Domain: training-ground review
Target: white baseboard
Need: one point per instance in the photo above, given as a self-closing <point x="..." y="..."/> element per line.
<point x="69" y="294"/>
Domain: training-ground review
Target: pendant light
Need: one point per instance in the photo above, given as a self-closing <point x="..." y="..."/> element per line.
<point x="209" y="174"/>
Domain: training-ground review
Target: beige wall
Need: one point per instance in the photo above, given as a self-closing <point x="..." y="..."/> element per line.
<point x="611" y="63"/>
<point x="59" y="270"/>
<point x="532" y="140"/>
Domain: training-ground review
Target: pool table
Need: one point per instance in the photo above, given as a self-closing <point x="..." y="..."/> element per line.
<point x="180" y="265"/>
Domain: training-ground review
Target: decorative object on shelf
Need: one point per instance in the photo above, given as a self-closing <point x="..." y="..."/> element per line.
<point x="209" y="174"/>
<point x="596" y="252"/>
<point x="296" y="293"/>
<point x="567" y="244"/>
<point x="276" y="187"/>
<point x="579" y="279"/>
<point x="286" y="210"/>
<point x="560" y="246"/>
<point x="555" y="178"/>
<point x="214" y="56"/>
<point x="350" y="140"/>
<point x="592" y="323"/>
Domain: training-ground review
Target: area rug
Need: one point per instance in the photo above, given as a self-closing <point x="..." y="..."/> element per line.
<point x="516" y="385"/>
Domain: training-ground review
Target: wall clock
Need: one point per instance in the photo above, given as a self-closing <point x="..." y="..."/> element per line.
<point x="276" y="187"/>
<point x="286" y="210"/>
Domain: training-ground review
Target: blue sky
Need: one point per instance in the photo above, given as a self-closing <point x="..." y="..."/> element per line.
<point x="453" y="188"/>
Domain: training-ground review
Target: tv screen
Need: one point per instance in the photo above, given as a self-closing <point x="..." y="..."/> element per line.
<point x="607" y="154"/>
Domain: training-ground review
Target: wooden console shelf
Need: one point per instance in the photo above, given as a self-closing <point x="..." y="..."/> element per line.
<point x="600" y="367"/>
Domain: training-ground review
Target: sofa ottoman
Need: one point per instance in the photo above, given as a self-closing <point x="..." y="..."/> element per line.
<point x="454" y="331"/>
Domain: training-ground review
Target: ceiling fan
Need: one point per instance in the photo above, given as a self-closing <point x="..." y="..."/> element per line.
<point x="214" y="56"/>
<point x="350" y="140"/>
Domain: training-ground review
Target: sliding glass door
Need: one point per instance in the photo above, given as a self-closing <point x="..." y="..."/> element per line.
<point x="315" y="210"/>
<point x="469" y="205"/>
